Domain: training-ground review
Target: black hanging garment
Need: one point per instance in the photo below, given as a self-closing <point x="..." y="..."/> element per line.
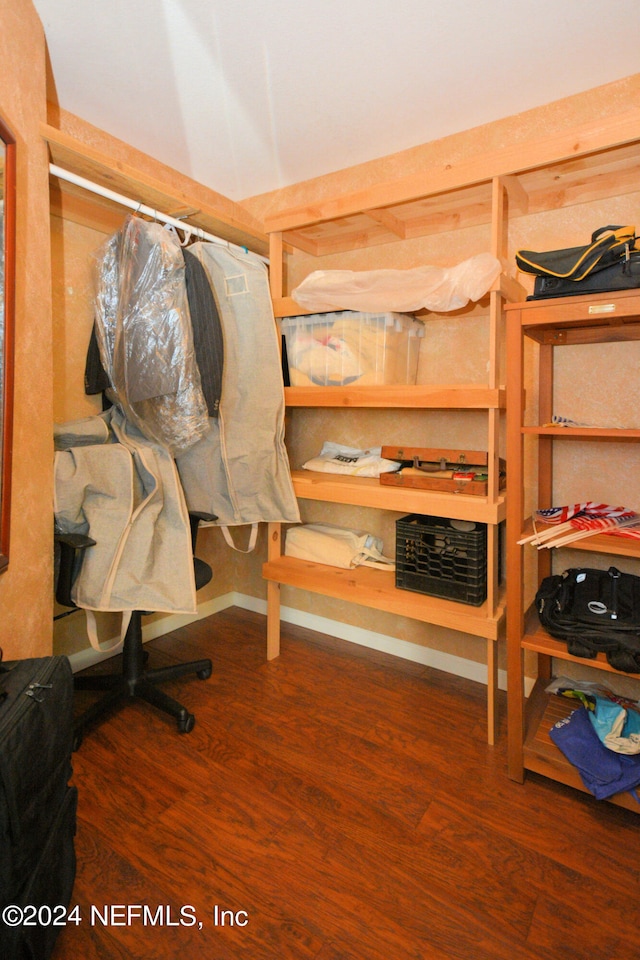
<point x="95" y="376"/>
<point x="37" y="805"/>
<point x="207" y="331"/>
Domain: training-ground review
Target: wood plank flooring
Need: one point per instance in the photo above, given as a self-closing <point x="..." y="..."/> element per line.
<point x="335" y="804"/>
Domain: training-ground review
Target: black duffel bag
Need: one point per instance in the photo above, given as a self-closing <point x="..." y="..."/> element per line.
<point x="608" y="245"/>
<point x="37" y="805"/>
<point x="594" y="611"/>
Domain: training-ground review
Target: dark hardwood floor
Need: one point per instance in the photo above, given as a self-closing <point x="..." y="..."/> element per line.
<point x="335" y="804"/>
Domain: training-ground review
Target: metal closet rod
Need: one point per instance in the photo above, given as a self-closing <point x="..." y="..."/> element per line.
<point x="142" y="208"/>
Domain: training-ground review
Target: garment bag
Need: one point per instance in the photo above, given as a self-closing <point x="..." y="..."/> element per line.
<point x="123" y="490"/>
<point x="144" y="334"/>
<point x="240" y="470"/>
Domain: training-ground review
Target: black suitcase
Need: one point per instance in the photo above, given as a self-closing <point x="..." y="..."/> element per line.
<point x="37" y="805"/>
<point x="624" y="275"/>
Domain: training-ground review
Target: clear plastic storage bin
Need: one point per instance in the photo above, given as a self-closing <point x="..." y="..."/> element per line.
<point x="338" y="349"/>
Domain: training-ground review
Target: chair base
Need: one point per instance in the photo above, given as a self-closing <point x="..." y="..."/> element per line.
<point x="136" y="682"/>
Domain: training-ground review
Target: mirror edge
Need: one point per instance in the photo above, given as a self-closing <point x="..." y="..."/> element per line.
<point x="9" y="326"/>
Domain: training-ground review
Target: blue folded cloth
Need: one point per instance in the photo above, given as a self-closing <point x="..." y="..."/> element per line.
<point x="603" y="772"/>
<point x="617" y="727"/>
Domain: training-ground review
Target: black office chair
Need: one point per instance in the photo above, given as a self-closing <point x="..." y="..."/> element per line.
<point x="134" y="680"/>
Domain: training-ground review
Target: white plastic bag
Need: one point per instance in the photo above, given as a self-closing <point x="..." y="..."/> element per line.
<point x="432" y="288"/>
<point x="336" y="458"/>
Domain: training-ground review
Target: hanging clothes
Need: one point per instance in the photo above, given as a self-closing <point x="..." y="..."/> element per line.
<point x="240" y="470"/>
<point x="143" y="329"/>
<point x="207" y="340"/>
<point x="207" y="331"/>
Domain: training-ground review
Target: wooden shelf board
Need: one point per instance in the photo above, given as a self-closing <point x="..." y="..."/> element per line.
<point x="424" y="216"/>
<point x="507" y="286"/>
<point x="612" y="434"/>
<point x="541" y="754"/>
<point x="287" y="307"/>
<point x="606" y="543"/>
<point x="582" y="334"/>
<point x="597" y="543"/>
<point x="600" y="150"/>
<point x="537" y="639"/>
<point x="204" y="208"/>
<point x="368" y="492"/>
<point x="443" y="397"/>
<point x="376" y="588"/>
<point x="544" y="320"/>
<point x="609" y="173"/>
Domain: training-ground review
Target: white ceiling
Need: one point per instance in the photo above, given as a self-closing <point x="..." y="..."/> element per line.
<point x="250" y="95"/>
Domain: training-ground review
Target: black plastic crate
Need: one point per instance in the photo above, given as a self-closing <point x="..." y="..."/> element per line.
<point x="435" y="557"/>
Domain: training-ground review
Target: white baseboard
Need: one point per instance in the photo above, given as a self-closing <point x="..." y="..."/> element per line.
<point x="156" y="628"/>
<point x="459" y="666"/>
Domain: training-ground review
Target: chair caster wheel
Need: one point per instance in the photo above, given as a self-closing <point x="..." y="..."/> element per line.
<point x="204" y="674"/>
<point x="186" y="724"/>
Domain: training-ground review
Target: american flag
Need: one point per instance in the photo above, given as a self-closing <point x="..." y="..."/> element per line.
<point x="602" y="522"/>
<point x="589" y="510"/>
<point x="574" y="522"/>
<point x="633" y="531"/>
<point x="561" y="514"/>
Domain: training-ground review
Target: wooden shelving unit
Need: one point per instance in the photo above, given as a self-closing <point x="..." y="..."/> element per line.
<point x="374" y="588"/>
<point x="598" y="160"/>
<point x="551" y="323"/>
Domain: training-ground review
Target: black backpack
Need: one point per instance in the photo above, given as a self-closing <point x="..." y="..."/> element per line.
<point x="594" y="611"/>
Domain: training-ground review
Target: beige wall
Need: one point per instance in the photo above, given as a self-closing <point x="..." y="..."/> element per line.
<point x="25" y="588"/>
